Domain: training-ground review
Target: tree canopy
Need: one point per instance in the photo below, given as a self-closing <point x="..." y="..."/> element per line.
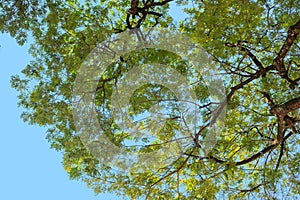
<point x="254" y="45"/>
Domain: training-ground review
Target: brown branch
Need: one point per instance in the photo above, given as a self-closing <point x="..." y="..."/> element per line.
<point x="249" y="53"/>
<point x="268" y="99"/>
<point x="255" y="156"/>
<point x="292" y="35"/>
<point x="289" y="106"/>
<point x="275" y="110"/>
<point x="281" y="111"/>
<point x="142" y="12"/>
<point x="152" y="4"/>
<point x="279" y="60"/>
<point x="216" y="160"/>
<point x="280" y="132"/>
<point x="134" y="4"/>
<point x="280" y="155"/>
<point x="128" y="25"/>
<point x="228" y="97"/>
<point x="133" y="10"/>
<point x="252" y="189"/>
<point x="290" y="122"/>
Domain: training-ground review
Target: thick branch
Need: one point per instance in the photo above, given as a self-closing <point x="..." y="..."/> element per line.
<point x="279" y="60"/>
<point x="281" y="111"/>
<point x="134" y="6"/>
<point x="280" y="132"/>
<point x="142" y="12"/>
<point x="289" y="106"/>
<point x="292" y="35"/>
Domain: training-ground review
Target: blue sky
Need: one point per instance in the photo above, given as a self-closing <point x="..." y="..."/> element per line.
<point x="29" y="169"/>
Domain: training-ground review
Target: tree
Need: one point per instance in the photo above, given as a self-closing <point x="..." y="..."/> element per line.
<point x="255" y="44"/>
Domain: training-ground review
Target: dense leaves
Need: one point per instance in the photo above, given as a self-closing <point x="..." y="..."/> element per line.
<point x="255" y="45"/>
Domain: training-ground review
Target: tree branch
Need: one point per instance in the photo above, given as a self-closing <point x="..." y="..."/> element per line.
<point x="292" y="35"/>
<point x="252" y="189"/>
<point x="280" y="155"/>
<point x="279" y="60"/>
<point x="239" y="86"/>
<point x="142" y="12"/>
<point x="283" y="109"/>
<point x="248" y="52"/>
<point x="255" y="156"/>
<point x="152" y="4"/>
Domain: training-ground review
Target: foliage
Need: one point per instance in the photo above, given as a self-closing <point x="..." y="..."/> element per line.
<point x="255" y="44"/>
